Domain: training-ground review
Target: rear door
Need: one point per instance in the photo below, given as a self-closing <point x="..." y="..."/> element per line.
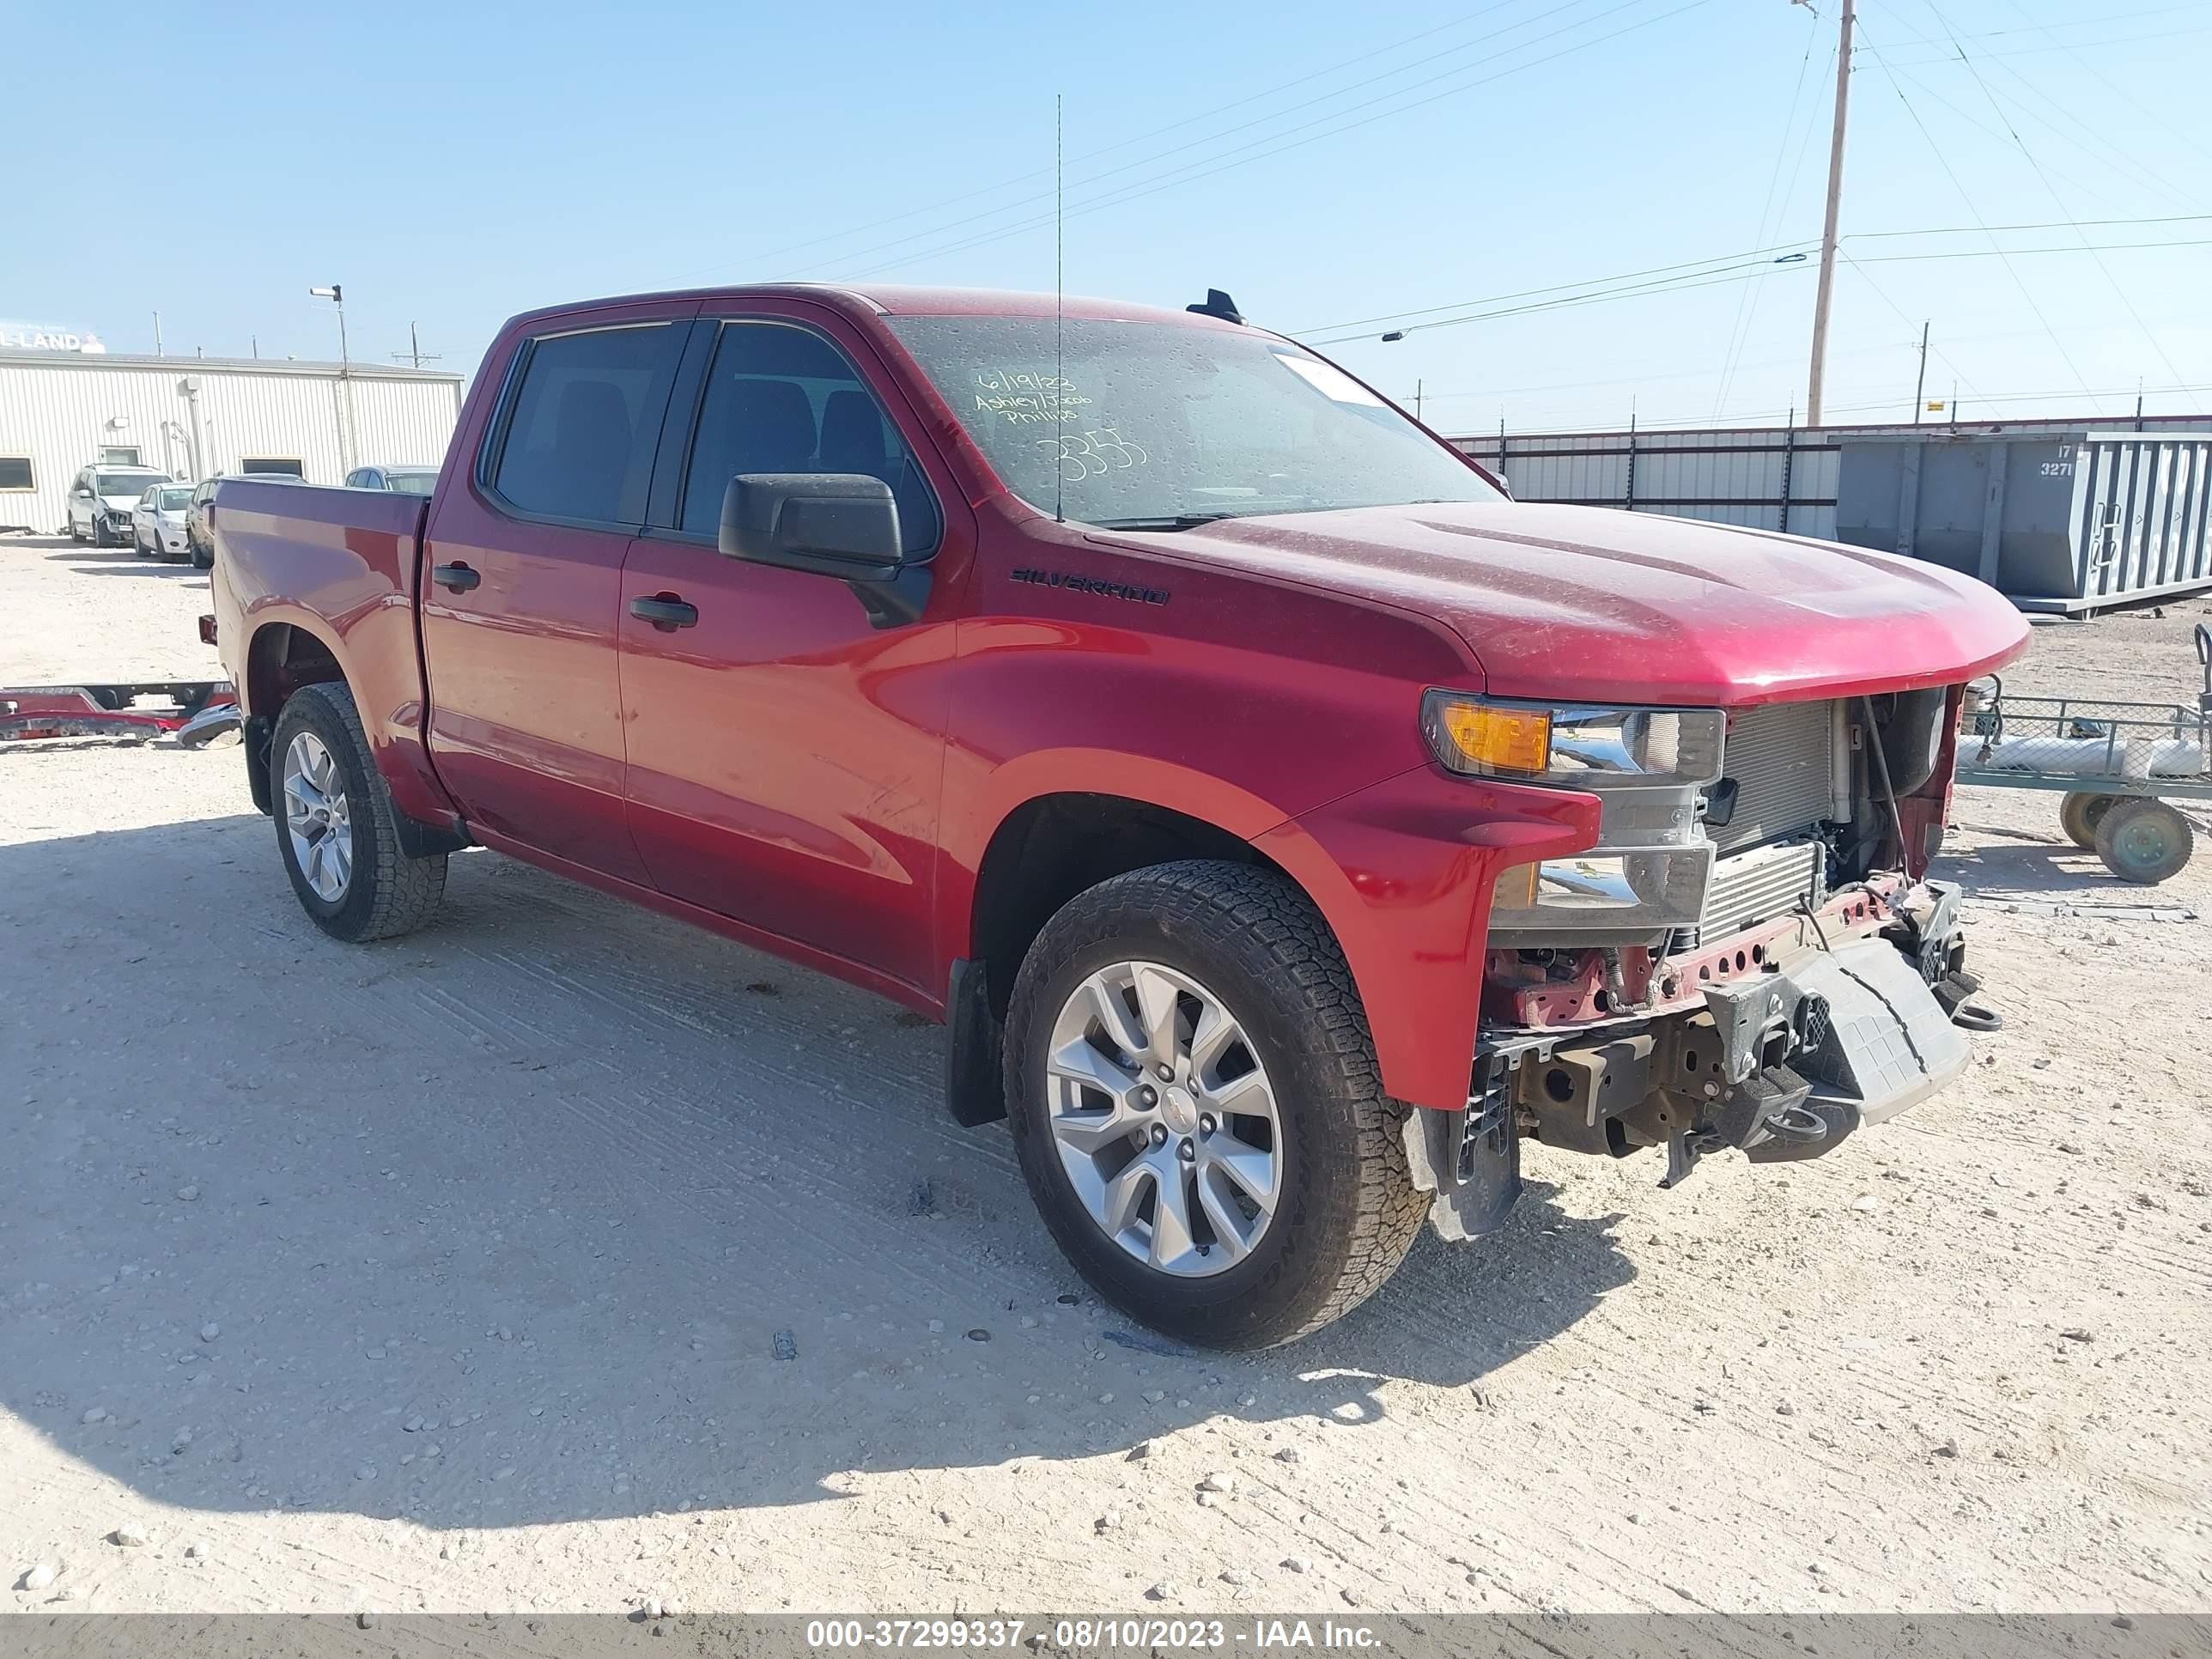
<point x="785" y="755"/>
<point x="520" y="599"/>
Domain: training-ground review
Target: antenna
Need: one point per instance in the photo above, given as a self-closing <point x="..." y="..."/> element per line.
<point x="1059" y="290"/>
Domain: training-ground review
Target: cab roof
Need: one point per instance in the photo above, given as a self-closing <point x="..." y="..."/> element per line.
<point x="897" y="299"/>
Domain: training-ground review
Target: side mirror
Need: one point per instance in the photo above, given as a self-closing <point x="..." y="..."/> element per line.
<point x="843" y="525"/>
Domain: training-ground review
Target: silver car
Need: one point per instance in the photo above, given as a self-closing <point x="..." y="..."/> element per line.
<point x="157" y="523"/>
<point x="406" y="480"/>
<point x="101" y="500"/>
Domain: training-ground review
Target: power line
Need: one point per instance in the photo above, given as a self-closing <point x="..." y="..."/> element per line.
<point x="1143" y="138"/>
<point x="1262" y="148"/>
<point x="1259" y="121"/>
<point x="1975" y="213"/>
<point x="1667" y="279"/>
<point x="2014" y="252"/>
<point x="1556" y="288"/>
<point x="2046" y="224"/>
<point x="1630" y="291"/>
<point x="2028" y="157"/>
<point x="1739" y="330"/>
<point x="2070" y="45"/>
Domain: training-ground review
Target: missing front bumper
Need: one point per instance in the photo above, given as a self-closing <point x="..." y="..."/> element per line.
<point x="1782" y="1065"/>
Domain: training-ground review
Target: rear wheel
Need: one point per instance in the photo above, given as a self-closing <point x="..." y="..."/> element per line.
<point x="2079" y="814"/>
<point x="2144" y="841"/>
<point x="336" y="829"/>
<point x="1197" y="1109"/>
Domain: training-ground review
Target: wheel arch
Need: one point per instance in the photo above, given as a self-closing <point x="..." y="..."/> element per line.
<point x="1044" y="847"/>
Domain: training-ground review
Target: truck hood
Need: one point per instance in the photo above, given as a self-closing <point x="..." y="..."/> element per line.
<point x="1597" y="605"/>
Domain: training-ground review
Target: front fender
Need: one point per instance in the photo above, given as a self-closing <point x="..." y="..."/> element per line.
<point x="1402" y="872"/>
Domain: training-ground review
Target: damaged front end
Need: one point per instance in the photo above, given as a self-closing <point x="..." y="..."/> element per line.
<point x="1812" y="984"/>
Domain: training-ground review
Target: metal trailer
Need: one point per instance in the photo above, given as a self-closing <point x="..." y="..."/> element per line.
<point x="2069" y="522"/>
<point x="2121" y="515"/>
<point x="2115" y="763"/>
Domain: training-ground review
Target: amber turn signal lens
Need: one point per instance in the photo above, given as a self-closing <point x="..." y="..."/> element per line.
<point x="1494" y="739"/>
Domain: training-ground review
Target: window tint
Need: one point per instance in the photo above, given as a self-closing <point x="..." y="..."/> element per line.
<point x="586" y="417"/>
<point x="271" y="463"/>
<point x="15" y="472"/>
<point x="782" y="400"/>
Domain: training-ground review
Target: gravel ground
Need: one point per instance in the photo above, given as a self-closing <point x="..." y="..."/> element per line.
<point x="451" y="1273"/>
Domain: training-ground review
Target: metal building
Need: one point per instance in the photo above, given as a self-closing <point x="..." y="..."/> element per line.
<point x="193" y="417"/>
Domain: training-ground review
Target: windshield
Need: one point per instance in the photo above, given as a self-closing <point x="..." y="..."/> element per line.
<point x="1143" y="424"/>
<point x="412" y="484"/>
<point x="172" y="501"/>
<point x="133" y="484"/>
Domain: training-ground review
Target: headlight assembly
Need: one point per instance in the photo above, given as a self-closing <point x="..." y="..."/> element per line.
<point x="1648" y="766"/>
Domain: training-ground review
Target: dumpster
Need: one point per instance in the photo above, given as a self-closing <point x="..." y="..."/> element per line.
<point x="2069" y="522"/>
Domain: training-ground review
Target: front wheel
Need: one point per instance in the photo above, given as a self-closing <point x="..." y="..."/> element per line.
<point x="1197" y="1110"/>
<point x="336" y="829"/>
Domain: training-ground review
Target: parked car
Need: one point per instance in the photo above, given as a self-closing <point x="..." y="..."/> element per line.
<point x="101" y="500"/>
<point x="157" y="522"/>
<point x="1286" y="821"/>
<point x="197" y="540"/>
<point x="407" y="480"/>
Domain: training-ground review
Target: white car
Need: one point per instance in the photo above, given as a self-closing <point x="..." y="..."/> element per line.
<point x="102" y="498"/>
<point x="157" y="523"/>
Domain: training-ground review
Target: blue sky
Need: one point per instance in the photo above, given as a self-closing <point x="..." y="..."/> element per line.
<point x="1326" y="163"/>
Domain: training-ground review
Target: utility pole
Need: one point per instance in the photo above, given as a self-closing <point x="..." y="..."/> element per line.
<point x="415" y="350"/>
<point x="1827" y="292"/>
<point x="1920" y="385"/>
<point x="1417" y="401"/>
<point x="157" y="334"/>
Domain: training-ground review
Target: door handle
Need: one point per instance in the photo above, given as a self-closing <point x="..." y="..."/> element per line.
<point x="459" y="577"/>
<point x="666" y="611"/>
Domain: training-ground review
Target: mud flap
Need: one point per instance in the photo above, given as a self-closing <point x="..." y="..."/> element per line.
<point x="1470" y="1158"/>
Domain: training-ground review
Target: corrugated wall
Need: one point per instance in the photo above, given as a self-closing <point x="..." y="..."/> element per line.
<point x="62" y="411"/>
<point x="1725" y="476"/>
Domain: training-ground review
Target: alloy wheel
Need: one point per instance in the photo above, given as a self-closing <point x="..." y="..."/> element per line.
<point x="1165" y="1119"/>
<point x="318" y="816"/>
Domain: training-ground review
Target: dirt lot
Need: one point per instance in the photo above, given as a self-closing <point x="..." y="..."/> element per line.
<point x="446" y="1275"/>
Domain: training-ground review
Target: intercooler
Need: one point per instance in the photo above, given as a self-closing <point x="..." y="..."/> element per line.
<point x="1760" y="884"/>
<point x="1785" y="761"/>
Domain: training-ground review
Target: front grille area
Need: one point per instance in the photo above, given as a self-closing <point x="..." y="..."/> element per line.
<point x="1782" y="757"/>
<point x="1759" y="884"/>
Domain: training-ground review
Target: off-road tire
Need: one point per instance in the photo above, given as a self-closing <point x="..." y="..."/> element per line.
<point x="1350" y="1210"/>
<point x="389" y="893"/>
<point x="2080" y="813"/>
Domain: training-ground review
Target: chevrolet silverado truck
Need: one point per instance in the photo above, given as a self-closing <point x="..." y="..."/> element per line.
<point x="1286" y="822"/>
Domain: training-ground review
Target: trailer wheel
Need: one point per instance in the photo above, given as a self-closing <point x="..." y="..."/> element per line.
<point x="336" y="829"/>
<point x="2079" y="814"/>
<point x="1196" y="1107"/>
<point x="2144" y="841"/>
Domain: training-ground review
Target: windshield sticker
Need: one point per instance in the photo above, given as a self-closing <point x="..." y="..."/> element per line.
<point x="1023" y="398"/>
<point x="1094" y="453"/>
<point x="1329" y="380"/>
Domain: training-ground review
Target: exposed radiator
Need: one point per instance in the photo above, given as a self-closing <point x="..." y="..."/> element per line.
<point x="1762" y="884"/>
<point x="1782" y="757"/>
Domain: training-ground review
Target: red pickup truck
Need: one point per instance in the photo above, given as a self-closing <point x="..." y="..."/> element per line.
<point x="1286" y="822"/>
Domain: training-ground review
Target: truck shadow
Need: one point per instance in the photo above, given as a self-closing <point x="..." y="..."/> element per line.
<point x="509" y="1221"/>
